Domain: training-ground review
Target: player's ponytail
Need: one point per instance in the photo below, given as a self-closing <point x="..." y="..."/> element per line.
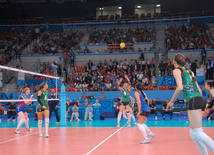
<point x="23" y="91"/>
<point x="139" y="87"/>
<point x="41" y="86"/>
<point x="179" y="58"/>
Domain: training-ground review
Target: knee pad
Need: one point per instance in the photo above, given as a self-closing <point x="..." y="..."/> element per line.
<point x="192" y="134"/>
<point x="128" y="112"/>
<point x="199" y="134"/>
<point x="120" y="113"/>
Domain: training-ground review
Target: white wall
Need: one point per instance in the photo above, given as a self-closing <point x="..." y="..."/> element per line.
<point x="83" y="60"/>
<point x="109" y="11"/>
<point x="145" y="9"/>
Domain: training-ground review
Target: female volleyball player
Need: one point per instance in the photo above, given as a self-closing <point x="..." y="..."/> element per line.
<point x="42" y="108"/>
<point x="209" y="86"/>
<point x="131" y="104"/>
<point x="21" y="109"/>
<point x="143" y="112"/>
<point x="125" y="101"/>
<point x="187" y="83"/>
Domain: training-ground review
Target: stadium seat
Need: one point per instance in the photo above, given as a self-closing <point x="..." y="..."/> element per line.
<point x="148" y="16"/>
<point x="73" y="89"/>
<point x="75" y="68"/>
<point x="136" y="17"/>
<point x="142" y="17"/>
<point x="151" y="88"/>
<point x="91" y="89"/>
<point x="80" y="67"/>
<point x="163" y="88"/>
<point x="111" y="18"/>
<point x="145" y="88"/>
<point x="155" y="15"/>
<point x="71" y="82"/>
<point x="68" y="89"/>
<point x="41" y="78"/>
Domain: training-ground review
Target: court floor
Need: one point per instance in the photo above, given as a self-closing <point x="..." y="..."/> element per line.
<point x="101" y="138"/>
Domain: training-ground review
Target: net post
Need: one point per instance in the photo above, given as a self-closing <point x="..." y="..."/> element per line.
<point x="63" y="106"/>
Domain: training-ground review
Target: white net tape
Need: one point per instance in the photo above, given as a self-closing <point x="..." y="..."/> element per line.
<point x="28" y="72"/>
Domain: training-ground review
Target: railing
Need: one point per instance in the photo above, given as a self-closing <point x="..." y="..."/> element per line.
<point x="36" y="65"/>
<point x="8" y="75"/>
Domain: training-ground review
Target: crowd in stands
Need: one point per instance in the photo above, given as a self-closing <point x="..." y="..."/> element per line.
<point x="118" y="35"/>
<point x="104" y="76"/>
<point x="188" y="37"/>
<point x="13" y="41"/>
<point x="57" y="42"/>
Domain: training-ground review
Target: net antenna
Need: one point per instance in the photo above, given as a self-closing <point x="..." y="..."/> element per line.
<point x="29" y="72"/>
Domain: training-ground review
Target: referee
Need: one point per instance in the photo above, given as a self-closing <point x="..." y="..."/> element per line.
<point x="53" y="105"/>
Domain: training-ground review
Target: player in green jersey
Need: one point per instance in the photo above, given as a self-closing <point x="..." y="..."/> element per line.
<point x="187" y="83"/>
<point x="42" y="108"/>
<point x="125" y="100"/>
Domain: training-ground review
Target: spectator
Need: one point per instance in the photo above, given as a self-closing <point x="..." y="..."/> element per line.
<point x="166" y="111"/>
<point x="209" y="71"/>
<point x="203" y="56"/>
<point x="32" y="88"/>
<point x="96" y="103"/>
<point x="78" y="87"/>
<point x="67" y="108"/>
<point x="145" y="81"/>
<point x="194" y="66"/>
<point x="210" y="116"/>
<point x="12" y="111"/>
<point x="102" y="96"/>
<point x="88" y="113"/>
<point x="72" y="57"/>
<point x="65" y="70"/>
<point x="53" y="105"/>
<point x="86" y="102"/>
<point x="114" y="85"/>
<point x="83" y="96"/>
<point x="92" y="96"/>
<point x="212" y="65"/>
<point x="75" y="113"/>
<point x="2" y="109"/>
<point x="78" y="103"/>
<point x="26" y="85"/>
<point x="54" y="66"/>
<point x="96" y="86"/>
<point x="154" y="82"/>
<point x="18" y="90"/>
<point x="153" y="108"/>
<point x="102" y="86"/>
<point x="157" y="101"/>
<point x="108" y="86"/>
<point x="86" y="50"/>
<point x="162" y="68"/>
<point x="85" y="87"/>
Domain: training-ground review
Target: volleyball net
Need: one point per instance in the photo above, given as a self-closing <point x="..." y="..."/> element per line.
<point x="55" y="84"/>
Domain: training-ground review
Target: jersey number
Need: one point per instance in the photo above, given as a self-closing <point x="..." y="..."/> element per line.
<point x="45" y="97"/>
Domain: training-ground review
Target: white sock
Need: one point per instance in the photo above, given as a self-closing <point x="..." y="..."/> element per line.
<point x="20" y="123"/>
<point x="147" y="129"/>
<point x="129" y="117"/>
<point x="133" y="118"/>
<point x="119" y="117"/>
<point x="46" y="124"/>
<point x="142" y="129"/>
<point x="40" y="125"/>
<point x="202" y="148"/>
<point x="209" y="143"/>
<point x="27" y="123"/>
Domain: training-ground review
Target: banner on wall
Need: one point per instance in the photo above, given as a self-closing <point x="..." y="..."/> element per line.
<point x="170" y="80"/>
<point x="51" y="82"/>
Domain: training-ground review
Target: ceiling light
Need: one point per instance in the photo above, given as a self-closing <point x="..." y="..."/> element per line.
<point x="138" y="7"/>
<point x="158" y="5"/>
<point x="119" y="7"/>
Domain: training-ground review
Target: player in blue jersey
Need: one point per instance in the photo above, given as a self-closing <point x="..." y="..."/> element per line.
<point x="143" y="112"/>
<point x="21" y="109"/>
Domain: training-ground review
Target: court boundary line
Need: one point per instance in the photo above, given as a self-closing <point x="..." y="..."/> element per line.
<point x="105" y="140"/>
<point x="23" y="136"/>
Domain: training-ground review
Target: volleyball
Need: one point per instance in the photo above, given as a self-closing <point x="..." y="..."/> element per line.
<point x="122" y="45"/>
